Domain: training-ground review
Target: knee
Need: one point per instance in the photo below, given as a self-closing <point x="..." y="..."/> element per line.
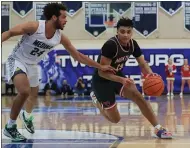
<point x="25" y="92"/>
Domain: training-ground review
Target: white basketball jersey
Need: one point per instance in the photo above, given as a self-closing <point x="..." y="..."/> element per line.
<point x="32" y="48"/>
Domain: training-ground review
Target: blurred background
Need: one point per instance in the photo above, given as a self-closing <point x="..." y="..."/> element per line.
<point x="162" y="30"/>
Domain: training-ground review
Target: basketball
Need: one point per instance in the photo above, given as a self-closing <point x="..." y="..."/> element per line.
<point x="153" y="86"/>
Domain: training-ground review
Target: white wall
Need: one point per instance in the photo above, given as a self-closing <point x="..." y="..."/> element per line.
<point x="168" y="27"/>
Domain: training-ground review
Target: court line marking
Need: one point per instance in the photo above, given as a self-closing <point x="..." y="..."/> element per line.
<point x="57" y="143"/>
<point x="97" y="143"/>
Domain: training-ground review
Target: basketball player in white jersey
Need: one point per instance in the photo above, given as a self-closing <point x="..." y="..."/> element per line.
<point x="39" y="38"/>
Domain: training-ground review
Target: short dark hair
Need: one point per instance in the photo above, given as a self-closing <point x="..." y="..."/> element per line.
<point x="53" y="9"/>
<point x="126" y="22"/>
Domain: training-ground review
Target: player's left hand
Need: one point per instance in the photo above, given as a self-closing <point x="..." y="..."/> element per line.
<point x="108" y="68"/>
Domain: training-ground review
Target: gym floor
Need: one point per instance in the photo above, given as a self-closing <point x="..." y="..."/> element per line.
<point x="76" y="123"/>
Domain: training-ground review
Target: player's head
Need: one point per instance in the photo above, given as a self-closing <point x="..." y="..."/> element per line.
<point x="124" y="29"/>
<point x="186" y="61"/>
<point x="56" y="13"/>
<point x="170" y="61"/>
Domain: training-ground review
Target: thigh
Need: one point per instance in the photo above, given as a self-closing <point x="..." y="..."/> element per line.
<point x="168" y="81"/>
<point x="172" y="82"/>
<point x="113" y="114"/>
<point x="104" y="91"/>
<point x="21" y="83"/>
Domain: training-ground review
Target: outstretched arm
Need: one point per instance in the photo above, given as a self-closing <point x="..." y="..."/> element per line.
<point x="29" y="27"/>
<point x="83" y="58"/>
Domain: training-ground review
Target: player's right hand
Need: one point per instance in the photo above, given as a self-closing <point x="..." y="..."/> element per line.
<point x="152" y="74"/>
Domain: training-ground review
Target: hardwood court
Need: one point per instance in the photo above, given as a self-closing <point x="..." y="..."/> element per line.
<point x="75" y="122"/>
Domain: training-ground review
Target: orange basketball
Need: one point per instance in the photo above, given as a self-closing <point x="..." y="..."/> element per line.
<point x="153" y="86"/>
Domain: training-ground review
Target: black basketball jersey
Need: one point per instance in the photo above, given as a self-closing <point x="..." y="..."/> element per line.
<point x="119" y="54"/>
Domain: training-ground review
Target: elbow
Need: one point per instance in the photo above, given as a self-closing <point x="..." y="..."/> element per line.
<point x="10" y="33"/>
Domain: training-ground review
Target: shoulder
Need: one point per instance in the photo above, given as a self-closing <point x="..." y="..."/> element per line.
<point x="110" y="44"/>
<point x="135" y="43"/>
<point x="110" y="41"/>
<point x="33" y="24"/>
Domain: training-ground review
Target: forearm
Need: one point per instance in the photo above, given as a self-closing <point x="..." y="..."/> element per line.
<point x="85" y="60"/>
<point x="145" y="68"/>
<point x="5" y="36"/>
<point x="110" y="76"/>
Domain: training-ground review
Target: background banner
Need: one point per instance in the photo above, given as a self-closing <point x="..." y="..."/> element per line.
<point x="59" y="65"/>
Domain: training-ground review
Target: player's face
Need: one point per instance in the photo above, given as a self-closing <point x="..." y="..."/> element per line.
<point x="61" y="20"/>
<point x="124" y="34"/>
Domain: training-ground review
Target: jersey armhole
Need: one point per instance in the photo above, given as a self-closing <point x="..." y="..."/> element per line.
<point x="116" y="49"/>
<point x="132" y="45"/>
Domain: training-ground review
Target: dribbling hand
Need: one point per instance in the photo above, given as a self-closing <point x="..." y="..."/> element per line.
<point x="153" y="74"/>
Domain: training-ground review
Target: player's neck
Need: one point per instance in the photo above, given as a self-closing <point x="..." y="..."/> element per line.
<point x="49" y="29"/>
<point x="123" y="43"/>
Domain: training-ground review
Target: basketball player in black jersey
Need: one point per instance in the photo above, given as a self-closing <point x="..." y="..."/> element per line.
<point x="116" y="52"/>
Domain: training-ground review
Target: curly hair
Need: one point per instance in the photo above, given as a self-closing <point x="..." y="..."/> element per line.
<point x="126" y="22"/>
<point x="53" y="9"/>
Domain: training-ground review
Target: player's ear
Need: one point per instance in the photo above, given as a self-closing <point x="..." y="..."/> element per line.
<point x="54" y="18"/>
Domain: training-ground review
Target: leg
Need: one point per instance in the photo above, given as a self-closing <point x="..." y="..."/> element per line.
<point x="22" y="85"/>
<point x="182" y="86"/>
<point x="26" y="116"/>
<point x="111" y="114"/>
<point x="172" y="86"/>
<point x="104" y="99"/>
<point x="130" y="91"/>
<point x="188" y="81"/>
<point x="31" y="100"/>
<point x="168" y="86"/>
